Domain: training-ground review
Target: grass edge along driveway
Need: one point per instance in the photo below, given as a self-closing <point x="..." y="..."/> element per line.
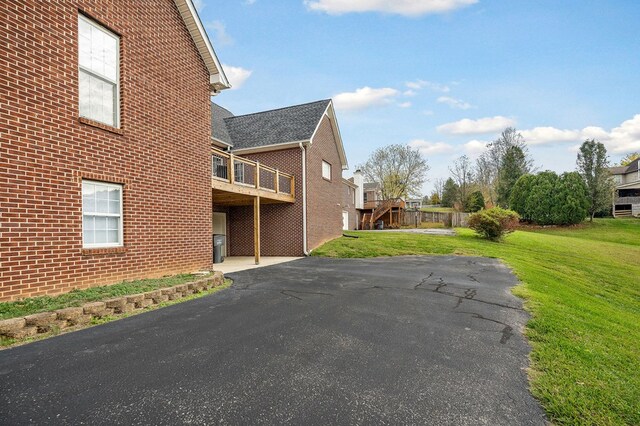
<point x="581" y="288"/>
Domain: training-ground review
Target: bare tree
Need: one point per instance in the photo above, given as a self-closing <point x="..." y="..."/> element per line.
<point x="399" y="170"/>
<point x="438" y="186"/>
<point x="462" y="173"/>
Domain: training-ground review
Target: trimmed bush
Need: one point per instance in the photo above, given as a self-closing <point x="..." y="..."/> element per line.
<point x="493" y="224"/>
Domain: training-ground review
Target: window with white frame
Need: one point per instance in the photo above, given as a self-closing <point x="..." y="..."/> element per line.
<point x="99" y="59"/>
<point x="326" y="170"/>
<point x="101" y="214"/>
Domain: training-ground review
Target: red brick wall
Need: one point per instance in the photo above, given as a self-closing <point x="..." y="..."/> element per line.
<point x="324" y="198"/>
<point x="280" y="224"/>
<point x="348" y="194"/>
<point x="161" y="155"/>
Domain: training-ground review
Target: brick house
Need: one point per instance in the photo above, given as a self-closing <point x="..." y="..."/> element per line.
<point x="277" y="179"/>
<point x="104" y="143"/>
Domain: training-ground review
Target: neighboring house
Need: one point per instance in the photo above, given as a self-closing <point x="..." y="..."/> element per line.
<point x="350" y="216"/>
<point x="277" y="179"/>
<point x="105" y="149"/>
<point x="374" y="208"/>
<point x="627" y="198"/>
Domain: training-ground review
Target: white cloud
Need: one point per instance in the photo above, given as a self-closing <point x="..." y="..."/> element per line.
<point x="236" y="75"/>
<point x="431" y="148"/>
<point x="475" y="147"/>
<point x="420" y="84"/>
<point x="454" y="103"/>
<point x="409" y="93"/>
<point x="544" y="135"/>
<point x="427" y="112"/>
<point x="473" y="127"/>
<point x="620" y="140"/>
<point x="364" y="97"/>
<point x="404" y="104"/>
<point x="399" y="7"/>
<point x="220" y="35"/>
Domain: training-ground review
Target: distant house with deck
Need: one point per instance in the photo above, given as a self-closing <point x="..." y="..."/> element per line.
<point x="627" y="197"/>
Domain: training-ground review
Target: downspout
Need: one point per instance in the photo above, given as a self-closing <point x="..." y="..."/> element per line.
<point x="304" y="199"/>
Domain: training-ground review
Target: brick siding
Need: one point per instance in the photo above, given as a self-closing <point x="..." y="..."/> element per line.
<point x="160" y="153"/>
<point x="324" y="198"/>
<point x="280" y="224"/>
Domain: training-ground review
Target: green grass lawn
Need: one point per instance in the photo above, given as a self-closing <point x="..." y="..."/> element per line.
<point x="582" y="288"/>
<point x="437" y="209"/>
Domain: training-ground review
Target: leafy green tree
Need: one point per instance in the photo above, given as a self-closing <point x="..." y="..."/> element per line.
<point x="435" y="198"/>
<point x="593" y="166"/>
<point x="629" y="158"/>
<point x="519" y="194"/>
<point x="571" y="201"/>
<point x="399" y="169"/>
<point x="514" y="165"/>
<point x="449" y="193"/>
<point x="475" y="202"/>
<point x="549" y="199"/>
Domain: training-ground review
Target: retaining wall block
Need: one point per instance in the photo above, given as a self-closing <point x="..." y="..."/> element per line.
<point x="12" y="325"/>
<point x="152" y="294"/>
<point x="94" y="308"/>
<point x="69" y="314"/>
<point x="23" y="332"/>
<point x="168" y="291"/>
<point x="117" y="304"/>
<point x="135" y="298"/>
<point x="42" y="319"/>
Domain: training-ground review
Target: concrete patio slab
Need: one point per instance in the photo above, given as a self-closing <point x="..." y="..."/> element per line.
<point x="242" y="263"/>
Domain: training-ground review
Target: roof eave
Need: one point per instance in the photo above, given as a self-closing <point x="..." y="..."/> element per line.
<point x="330" y="112"/>
<point x="218" y="80"/>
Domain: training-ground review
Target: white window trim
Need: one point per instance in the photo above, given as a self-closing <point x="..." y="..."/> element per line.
<point x="116" y="101"/>
<point x="330" y="171"/>
<point x="120" y="243"/>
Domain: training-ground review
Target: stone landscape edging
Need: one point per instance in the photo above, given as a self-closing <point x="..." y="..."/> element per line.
<point x="45" y="322"/>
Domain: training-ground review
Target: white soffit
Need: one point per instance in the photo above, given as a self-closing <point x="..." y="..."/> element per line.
<point x="218" y="80"/>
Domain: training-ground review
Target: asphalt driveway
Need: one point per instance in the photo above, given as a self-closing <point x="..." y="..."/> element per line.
<point x="403" y="340"/>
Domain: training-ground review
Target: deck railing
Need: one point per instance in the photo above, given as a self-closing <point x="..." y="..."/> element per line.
<point x="241" y="171"/>
<point x="373" y="204"/>
<point x="627" y="200"/>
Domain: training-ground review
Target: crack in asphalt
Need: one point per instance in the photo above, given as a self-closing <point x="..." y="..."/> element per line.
<point x="287" y="293"/>
<point x="424" y="280"/>
<point x="507" y="331"/>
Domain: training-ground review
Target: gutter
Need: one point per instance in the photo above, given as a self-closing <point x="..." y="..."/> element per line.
<point x="304" y="200"/>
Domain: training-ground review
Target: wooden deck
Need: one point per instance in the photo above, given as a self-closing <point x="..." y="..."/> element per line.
<point x="236" y="181"/>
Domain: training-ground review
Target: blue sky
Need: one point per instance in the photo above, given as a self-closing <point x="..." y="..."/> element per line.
<point x="445" y="76"/>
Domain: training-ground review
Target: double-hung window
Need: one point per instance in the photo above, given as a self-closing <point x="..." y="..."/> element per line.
<point x="326" y="170"/>
<point x="101" y="214"/>
<point x="99" y="59"/>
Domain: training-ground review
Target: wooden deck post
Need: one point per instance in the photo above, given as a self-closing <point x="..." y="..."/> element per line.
<point x="232" y="170"/>
<point x="277" y="185"/>
<point x="257" y="175"/>
<point x="256" y="229"/>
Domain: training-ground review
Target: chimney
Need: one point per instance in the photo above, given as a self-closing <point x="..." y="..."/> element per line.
<point x="358" y="179"/>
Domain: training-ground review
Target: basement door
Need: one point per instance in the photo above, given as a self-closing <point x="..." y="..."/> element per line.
<point x="220" y="228"/>
<point x="345" y="220"/>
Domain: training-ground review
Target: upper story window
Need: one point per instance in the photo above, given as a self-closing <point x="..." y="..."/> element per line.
<point x="101" y="214"/>
<point x="326" y="170"/>
<point x="99" y="59"/>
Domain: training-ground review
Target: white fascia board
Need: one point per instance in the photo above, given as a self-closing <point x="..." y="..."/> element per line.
<point x="218" y="80"/>
<point x="330" y="112"/>
<point x="273" y="147"/>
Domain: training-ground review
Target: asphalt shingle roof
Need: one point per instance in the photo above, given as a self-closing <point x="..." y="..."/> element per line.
<point x="290" y="124"/>
<point x="623" y="170"/>
<point x="218" y="128"/>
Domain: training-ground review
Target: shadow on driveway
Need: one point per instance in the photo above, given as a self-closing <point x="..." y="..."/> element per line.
<point x="403" y="340"/>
